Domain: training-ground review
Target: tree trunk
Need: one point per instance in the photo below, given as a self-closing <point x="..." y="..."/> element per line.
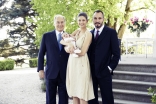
<point x="110" y="25"/>
<point x="126" y="17"/>
<point x="121" y="31"/>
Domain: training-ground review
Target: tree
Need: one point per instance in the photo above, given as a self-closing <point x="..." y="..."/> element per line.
<point x="22" y="31"/>
<point x="4" y="44"/>
<point x="48" y="8"/>
<point x="2" y="2"/>
<point x="2" y="11"/>
<point x="116" y="13"/>
<point x="131" y="6"/>
<point x="70" y="9"/>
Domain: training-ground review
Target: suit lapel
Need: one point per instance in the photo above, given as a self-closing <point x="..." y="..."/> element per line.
<point x="102" y="35"/>
<point x="54" y="39"/>
<point x="93" y="35"/>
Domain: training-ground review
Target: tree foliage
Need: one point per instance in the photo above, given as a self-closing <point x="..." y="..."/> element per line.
<point x="21" y="32"/>
<point x="4" y="45"/>
<point x="2" y="2"/>
<point x="116" y="13"/>
<point x="2" y="12"/>
<point x="70" y="9"/>
<point x="134" y="6"/>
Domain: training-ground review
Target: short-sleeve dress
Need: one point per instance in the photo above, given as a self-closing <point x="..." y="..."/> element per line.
<point x="78" y="78"/>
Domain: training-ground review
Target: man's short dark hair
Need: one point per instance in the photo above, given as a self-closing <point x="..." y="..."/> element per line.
<point x="99" y="11"/>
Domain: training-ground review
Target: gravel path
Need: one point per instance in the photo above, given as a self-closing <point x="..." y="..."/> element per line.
<point x="21" y="86"/>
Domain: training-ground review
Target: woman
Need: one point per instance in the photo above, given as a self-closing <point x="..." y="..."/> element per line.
<point x="78" y="77"/>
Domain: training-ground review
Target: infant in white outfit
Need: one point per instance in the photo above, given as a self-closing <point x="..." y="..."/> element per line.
<point x="67" y="38"/>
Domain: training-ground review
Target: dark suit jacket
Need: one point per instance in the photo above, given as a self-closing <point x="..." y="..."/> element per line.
<point x="56" y="60"/>
<point x="106" y="52"/>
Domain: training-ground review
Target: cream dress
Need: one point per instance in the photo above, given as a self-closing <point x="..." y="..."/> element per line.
<point x="78" y="77"/>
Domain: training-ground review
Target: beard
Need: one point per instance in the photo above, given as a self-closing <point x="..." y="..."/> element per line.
<point x="98" y="25"/>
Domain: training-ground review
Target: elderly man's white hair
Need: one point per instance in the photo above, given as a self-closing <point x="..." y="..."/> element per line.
<point x="58" y="15"/>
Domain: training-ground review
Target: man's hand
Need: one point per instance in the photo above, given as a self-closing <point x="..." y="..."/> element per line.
<point x="110" y="69"/>
<point x="41" y="74"/>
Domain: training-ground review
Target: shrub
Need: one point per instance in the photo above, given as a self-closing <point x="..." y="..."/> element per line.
<point x="2" y="65"/>
<point x="33" y="62"/>
<point x="43" y="85"/>
<point x="10" y="64"/>
<point x="152" y="92"/>
<point x="7" y="64"/>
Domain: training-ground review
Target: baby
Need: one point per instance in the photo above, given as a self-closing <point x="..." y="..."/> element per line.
<point x="69" y="39"/>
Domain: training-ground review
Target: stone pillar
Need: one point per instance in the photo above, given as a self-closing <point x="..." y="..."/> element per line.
<point x="154" y="47"/>
<point x="154" y="44"/>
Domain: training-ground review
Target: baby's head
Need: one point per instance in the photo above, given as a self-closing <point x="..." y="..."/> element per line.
<point x="65" y="35"/>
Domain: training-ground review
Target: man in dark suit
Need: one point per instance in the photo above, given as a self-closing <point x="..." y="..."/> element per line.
<point x="56" y="62"/>
<point x="104" y="55"/>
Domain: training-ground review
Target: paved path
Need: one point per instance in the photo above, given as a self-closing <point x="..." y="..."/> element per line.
<point x="21" y="86"/>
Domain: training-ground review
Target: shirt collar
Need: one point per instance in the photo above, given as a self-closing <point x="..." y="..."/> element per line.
<point x="100" y="30"/>
<point x="57" y="32"/>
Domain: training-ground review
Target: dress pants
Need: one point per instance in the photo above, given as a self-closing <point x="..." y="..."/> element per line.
<point x="105" y="85"/>
<point x="51" y="91"/>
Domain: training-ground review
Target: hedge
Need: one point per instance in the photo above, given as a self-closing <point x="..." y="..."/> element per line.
<point x="7" y="64"/>
<point x="33" y="62"/>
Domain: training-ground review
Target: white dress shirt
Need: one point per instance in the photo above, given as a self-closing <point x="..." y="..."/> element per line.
<point x="100" y="30"/>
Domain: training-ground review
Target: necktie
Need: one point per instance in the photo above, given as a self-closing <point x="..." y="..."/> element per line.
<point x="97" y="35"/>
<point x="59" y="39"/>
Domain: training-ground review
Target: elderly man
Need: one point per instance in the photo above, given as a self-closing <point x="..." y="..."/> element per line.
<point x="56" y="62"/>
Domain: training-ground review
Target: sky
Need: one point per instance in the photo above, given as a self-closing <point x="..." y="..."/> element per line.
<point x="3" y="31"/>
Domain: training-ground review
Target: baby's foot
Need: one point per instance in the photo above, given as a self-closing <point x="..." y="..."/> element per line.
<point x="77" y="50"/>
<point x="75" y="55"/>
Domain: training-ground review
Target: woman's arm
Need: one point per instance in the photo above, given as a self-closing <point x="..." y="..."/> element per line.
<point x="75" y="32"/>
<point x="86" y="43"/>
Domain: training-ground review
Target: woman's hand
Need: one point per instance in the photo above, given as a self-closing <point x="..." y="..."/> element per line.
<point x="66" y="48"/>
<point x="71" y="48"/>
